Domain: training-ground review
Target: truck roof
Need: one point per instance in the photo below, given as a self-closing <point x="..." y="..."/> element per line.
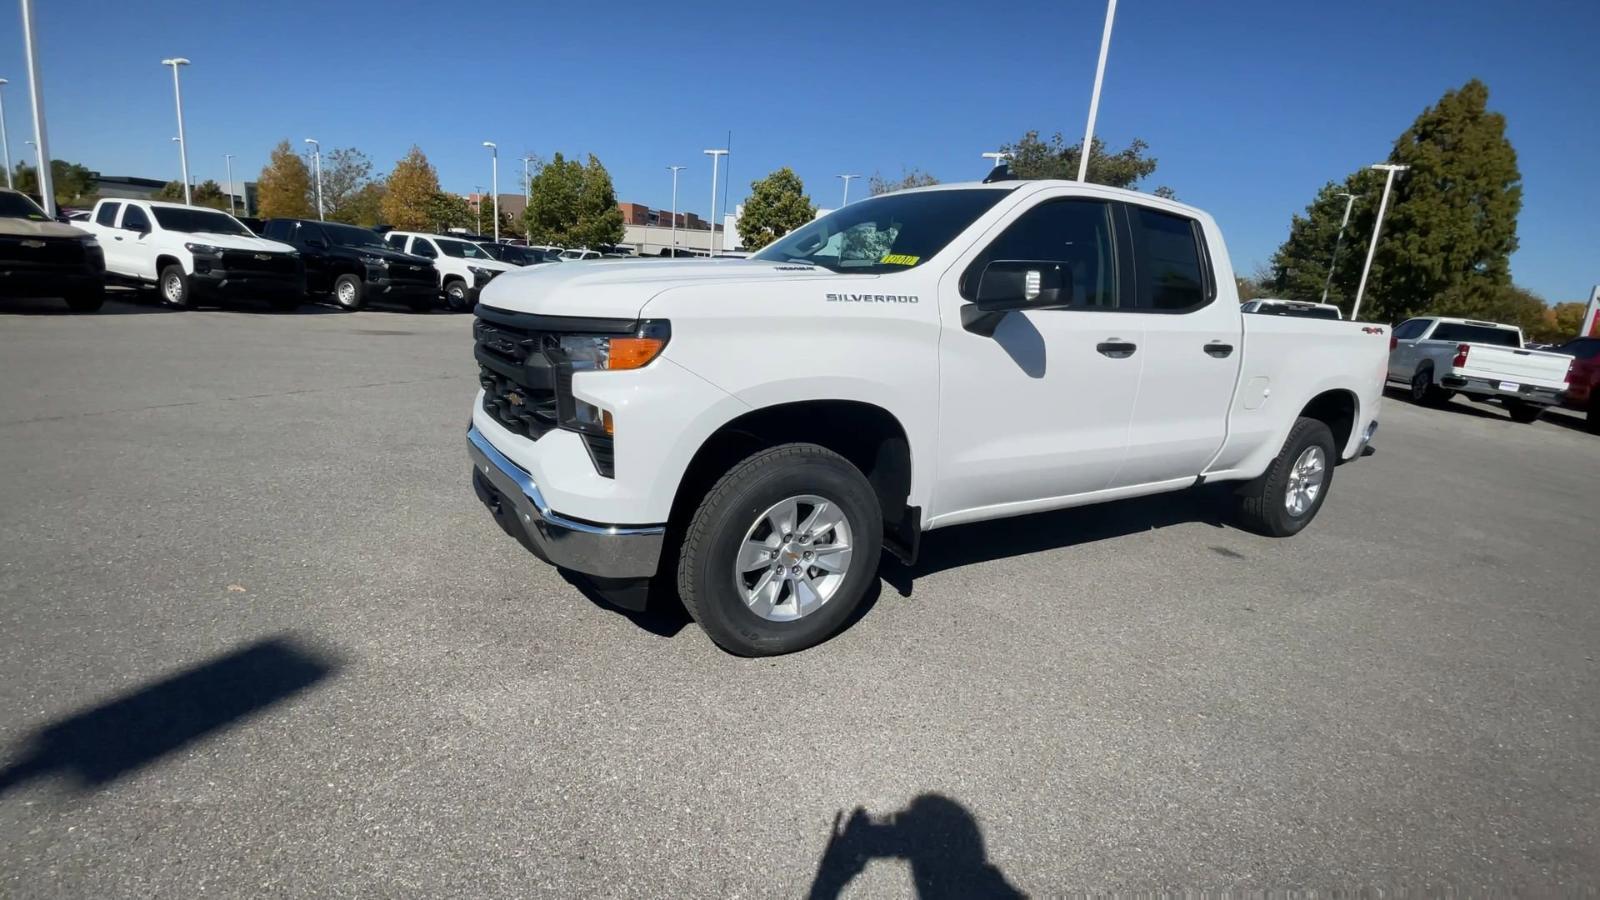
<point x="1480" y="322"/>
<point x="1015" y="183"/>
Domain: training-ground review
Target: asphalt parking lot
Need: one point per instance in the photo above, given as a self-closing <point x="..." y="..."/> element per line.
<point x="262" y="639"/>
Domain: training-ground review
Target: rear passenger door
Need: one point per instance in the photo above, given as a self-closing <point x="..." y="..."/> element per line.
<point x="1403" y="358"/>
<point x="421" y="246"/>
<point x="1191" y="347"/>
<point x="318" y="255"/>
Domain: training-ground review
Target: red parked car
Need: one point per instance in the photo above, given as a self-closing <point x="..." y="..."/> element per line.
<point x="1583" y="380"/>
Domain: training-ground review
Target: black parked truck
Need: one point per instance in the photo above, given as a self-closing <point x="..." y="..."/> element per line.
<point x="41" y="258"/>
<point x="353" y="265"/>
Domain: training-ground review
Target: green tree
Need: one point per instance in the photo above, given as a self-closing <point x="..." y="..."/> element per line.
<point x="445" y="210"/>
<point x="284" y="188"/>
<point x="552" y="216"/>
<point x="599" y="219"/>
<point x="909" y="178"/>
<point x="1033" y="158"/>
<point x="1299" y="268"/>
<point x="72" y="184"/>
<point x="207" y="193"/>
<point x="776" y="206"/>
<point x="345" y="173"/>
<point x="410" y="195"/>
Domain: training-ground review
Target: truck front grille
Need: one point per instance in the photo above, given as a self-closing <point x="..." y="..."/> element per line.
<point x="253" y="262"/>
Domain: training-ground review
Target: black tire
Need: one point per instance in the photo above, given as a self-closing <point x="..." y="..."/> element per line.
<point x="1263" y="506"/>
<point x="87" y="300"/>
<point x="706" y="565"/>
<point x="1592" y="416"/>
<point x="349" y="292"/>
<point x="1425" y="392"/>
<point x="456" y="295"/>
<point x="1523" y="413"/>
<point x="173" y="288"/>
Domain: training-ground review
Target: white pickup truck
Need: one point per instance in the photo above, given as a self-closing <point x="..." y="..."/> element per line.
<point x="757" y="431"/>
<point x="190" y="252"/>
<point x="1439" y="357"/>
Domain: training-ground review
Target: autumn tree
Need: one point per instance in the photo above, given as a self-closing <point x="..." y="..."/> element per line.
<point x="284" y="188"/>
<point x="776" y="206"/>
<point x="411" y="193"/>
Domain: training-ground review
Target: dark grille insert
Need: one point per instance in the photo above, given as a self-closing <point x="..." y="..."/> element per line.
<point x="244" y="261"/>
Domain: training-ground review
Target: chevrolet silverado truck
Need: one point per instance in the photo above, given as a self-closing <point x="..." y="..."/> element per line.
<point x="1440" y="357"/>
<point x="464" y="267"/>
<point x="190" y="252"/>
<point x="352" y="265"/>
<point x="755" y="432"/>
<point x="41" y="258"/>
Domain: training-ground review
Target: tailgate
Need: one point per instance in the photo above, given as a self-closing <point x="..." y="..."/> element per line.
<point x="1522" y="366"/>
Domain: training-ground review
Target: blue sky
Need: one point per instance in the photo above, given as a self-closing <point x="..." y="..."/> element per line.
<point x="1249" y="105"/>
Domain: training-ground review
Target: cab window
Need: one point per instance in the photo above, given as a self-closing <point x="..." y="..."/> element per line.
<point x="107" y="214"/>
<point x="1071" y="236"/>
<point x="424" y="248"/>
<point x="1169" y="262"/>
<point x="134" y="219"/>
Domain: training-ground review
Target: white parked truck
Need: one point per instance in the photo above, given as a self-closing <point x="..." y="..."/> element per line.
<point x="190" y="252"/>
<point x="1439" y="357"/>
<point x="756" y="431"/>
<point x="464" y="268"/>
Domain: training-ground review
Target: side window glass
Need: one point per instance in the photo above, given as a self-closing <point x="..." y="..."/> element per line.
<point x="311" y="235"/>
<point x="1073" y="236"/>
<point x="277" y="230"/>
<point x="397" y="241"/>
<point x="1409" y="330"/>
<point x="134" y="219"/>
<point x="107" y="214"/>
<point x="424" y="248"/>
<point x="1166" y="254"/>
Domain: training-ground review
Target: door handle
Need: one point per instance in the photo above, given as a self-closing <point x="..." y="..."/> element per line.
<point x="1219" y="349"/>
<point x="1116" y="349"/>
<point x="117" y="237"/>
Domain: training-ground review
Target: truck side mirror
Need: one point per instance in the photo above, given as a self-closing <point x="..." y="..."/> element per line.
<point x="1013" y="284"/>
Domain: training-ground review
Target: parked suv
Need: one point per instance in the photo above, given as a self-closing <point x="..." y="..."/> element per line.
<point x="353" y="265"/>
<point x="189" y="252"/>
<point x="464" y="267"/>
<point x="41" y="258"/>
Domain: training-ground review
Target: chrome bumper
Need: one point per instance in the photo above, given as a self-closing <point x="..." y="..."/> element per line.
<point x="603" y="551"/>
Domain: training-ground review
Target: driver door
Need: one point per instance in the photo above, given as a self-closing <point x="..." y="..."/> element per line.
<point x="1040" y="411"/>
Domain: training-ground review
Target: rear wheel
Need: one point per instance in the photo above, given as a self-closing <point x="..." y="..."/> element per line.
<point x="1523" y="412"/>
<point x="455" y="295"/>
<point x="1425" y="392"/>
<point x="781" y="551"/>
<point x="173" y="286"/>
<point x="348" y="291"/>
<point x="1287" y="496"/>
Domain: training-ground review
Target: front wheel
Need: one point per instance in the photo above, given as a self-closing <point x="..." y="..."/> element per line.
<point x="455" y="296"/>
<point x="781" y="551"/>
<point x="1286" y="497"/>
<point x="348" y="291"/>
<point x="1524" y="413"/>
<point x="174" y="287"/>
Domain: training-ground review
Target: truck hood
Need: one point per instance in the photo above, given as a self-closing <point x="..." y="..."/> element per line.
<point x="35" y="228"/>
<point x="236" y="242"/>
<point x="621" y="288"/>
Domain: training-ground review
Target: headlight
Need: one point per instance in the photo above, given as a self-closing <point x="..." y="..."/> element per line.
<point x="377" y="262"/>
<point x="616" y="353"/>
<point x="480" y="272"/>
<point x="203" y="249"/>
<point x="90" y="242"/>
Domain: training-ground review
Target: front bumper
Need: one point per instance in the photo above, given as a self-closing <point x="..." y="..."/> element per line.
<point x="47" y="283"/>
<point x="222" y="281"/>
<point x="603" y="551"/>
<point x="1488" y="387"/>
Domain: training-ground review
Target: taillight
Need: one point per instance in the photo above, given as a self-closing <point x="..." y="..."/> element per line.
<point x="1569" y="373"/>
<point x="1461" y="355"/>
<point x="1393" y="343"/>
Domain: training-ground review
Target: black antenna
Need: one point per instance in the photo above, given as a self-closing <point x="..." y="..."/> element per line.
<point x="1001" y="172"/>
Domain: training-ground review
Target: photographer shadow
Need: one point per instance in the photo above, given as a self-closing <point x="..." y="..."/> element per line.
<point x="935" y="835"/>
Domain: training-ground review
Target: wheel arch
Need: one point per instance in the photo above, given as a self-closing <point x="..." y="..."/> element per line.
<point x="1339" y="409"/>
<point x="167" y="259"/>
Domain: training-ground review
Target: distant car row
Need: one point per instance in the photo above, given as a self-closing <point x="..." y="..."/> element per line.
<point x="190" y="253"/>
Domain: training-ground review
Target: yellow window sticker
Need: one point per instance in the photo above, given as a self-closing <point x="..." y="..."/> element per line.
<point x="899" y="259"/>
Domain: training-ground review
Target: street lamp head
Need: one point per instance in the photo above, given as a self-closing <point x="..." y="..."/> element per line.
<point x="4" y="82"/>
<point x="175" y="62"/>
<point x="715" y="152"/>
<point x="1388" y="167"/>
<point x="491" y="145"/>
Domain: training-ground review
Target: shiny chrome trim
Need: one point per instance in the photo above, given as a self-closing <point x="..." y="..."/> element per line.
<point x="531" y="491"/>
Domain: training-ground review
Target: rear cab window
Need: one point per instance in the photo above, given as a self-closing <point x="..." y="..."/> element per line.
<point x="1171" y="266"/>
<point x="1466" y="333"/>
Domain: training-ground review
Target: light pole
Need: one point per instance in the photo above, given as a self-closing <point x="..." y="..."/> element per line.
<point x="527" y="199"/>
<point x="5" y="143"/>
<point x="716" y="156"/>
<point x="183" y="146"/>
<point x="996" y="158"/>
<point x="675" y="171"/>
<point x="1349" y="201"/>
<point x="494" y="185"/>
<point x="1094" y="99"/>
<point x="477" y="192"/>
<point x="228" y="158"/>
<point x="1377" y="225"/>
<point x="316" y="161"/>
<point x="47" y="191"/>
<point x="846" y="180"/>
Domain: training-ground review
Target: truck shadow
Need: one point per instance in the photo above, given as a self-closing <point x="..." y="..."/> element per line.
<point x="105" y="742"/>
<point x="963" y="545"/>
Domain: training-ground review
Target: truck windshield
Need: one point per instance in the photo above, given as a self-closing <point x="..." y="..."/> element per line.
<point x="884" y="234"/>
<point x="351" y="236"/>
<point x="192" y="220"/>
<point x="18" y="206"/>
<point x="1462" y="333"/>
<point x="462" y="249"/>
